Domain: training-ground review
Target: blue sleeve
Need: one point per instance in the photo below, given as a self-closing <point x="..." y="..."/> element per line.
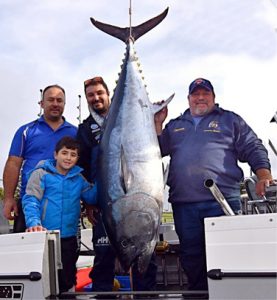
<point x="17" y="146"/>
<point x="89" y="193"/>
<point x="249" y="147"/>
<point x="31" y="209"/>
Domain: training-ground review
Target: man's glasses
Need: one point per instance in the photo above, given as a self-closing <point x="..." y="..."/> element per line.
<point x="93" y="81"/>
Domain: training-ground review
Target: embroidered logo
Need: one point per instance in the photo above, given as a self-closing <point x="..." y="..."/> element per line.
<point x="94" y="126"/>
<point x="96" y="131"/>
<point x="199" y="81"/>
<point x="213" y="127"/>
<point x="179" y="129"/>
<point x="213" y="124"/>
<point x="103" y="240"/>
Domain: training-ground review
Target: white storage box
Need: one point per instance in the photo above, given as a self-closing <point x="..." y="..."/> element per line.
<point x="242" y="254"/>
<point x="28" y="265"/>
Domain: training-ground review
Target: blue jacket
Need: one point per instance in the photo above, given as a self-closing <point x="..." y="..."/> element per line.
<point x="53" y="200"/>
<point x="212" y="150"/>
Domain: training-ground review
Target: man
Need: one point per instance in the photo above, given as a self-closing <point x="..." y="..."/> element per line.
<point x="103" y="272"/>
<point x="206" y="142"/>
<point x="33" y="142"/>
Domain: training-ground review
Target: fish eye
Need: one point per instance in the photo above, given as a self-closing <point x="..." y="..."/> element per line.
<point x="124" y="243"/>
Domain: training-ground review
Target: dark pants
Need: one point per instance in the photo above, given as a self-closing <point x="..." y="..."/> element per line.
<point x="189" y="226"/>
<point x="70" y="254"/>
<point x="103" y="270"/>
<point x="19" y="224"/>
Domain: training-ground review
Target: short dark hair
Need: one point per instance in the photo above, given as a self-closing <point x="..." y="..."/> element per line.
<point x="94" y="81"/>
<point x="53" y="86"/>
<point x="69" y="143"/>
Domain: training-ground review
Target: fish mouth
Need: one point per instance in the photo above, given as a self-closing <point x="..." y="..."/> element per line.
<point x="135" y="229"/>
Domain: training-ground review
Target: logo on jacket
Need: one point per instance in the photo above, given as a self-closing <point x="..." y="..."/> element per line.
<point x="104" y="240"/>
<point x="213" y="127"/>
<point x="213" y="124"/>
<point x="95" y="130"/>
<point x="179" y="129"/>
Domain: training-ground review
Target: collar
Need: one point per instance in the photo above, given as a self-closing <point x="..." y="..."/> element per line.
<point x="65" y="123"/>
<point x="97" y="118"/>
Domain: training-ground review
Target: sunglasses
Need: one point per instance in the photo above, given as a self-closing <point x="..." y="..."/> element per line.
<point x="93" y="81"/>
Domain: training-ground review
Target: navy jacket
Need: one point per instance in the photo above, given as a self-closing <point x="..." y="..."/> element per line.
<point x="88" y="135"/>
<point x="212" y="150"/>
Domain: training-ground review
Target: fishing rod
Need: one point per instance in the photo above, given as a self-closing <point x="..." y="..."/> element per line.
<point x="211" y="185"/>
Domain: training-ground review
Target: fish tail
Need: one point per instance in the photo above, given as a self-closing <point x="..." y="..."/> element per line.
<point x="133" y="32"/>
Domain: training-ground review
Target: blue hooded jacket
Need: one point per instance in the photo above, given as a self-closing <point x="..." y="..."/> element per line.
<point x="53" y="200"/>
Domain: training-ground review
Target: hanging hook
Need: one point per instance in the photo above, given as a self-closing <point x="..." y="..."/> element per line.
<point x="130" y="18"/>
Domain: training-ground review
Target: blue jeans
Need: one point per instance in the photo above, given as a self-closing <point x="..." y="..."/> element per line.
<point x="189" y="226"/>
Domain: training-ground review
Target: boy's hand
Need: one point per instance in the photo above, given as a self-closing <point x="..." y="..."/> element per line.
<point x="35" y="228"/>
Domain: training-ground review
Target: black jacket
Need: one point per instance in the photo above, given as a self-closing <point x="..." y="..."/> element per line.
<point x="88" y="136"/>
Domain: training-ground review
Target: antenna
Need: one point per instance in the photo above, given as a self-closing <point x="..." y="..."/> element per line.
<point x="79" y="109"/>
<point x="39" y="103"/>
<point x="130" y="18"/>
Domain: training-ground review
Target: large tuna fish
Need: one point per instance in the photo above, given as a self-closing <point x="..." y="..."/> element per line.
<point x="131" y="173"/>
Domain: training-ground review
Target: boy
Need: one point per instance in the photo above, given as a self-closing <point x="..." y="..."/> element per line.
<point x="52" y="201"/>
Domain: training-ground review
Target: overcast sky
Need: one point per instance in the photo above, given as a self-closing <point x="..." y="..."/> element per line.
<point x="233" y="43"/>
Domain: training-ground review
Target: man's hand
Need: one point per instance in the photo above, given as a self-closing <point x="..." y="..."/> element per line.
<point x="90" y="209"/>
<point x="264" y="180"/>
<point x="159" y="118"/>
<point x="10" y="209"/>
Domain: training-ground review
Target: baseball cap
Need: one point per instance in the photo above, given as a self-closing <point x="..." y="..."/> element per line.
<point x="201" y="82"/>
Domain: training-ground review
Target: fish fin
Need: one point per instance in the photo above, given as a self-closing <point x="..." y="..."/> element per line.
<point x="157" y="107"/>
<point x="133" y="33"/>
<point x="126" y="176"/>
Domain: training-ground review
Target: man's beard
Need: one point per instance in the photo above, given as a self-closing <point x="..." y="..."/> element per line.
<point x="100" y="111"/>
<point x="201" y="112"/>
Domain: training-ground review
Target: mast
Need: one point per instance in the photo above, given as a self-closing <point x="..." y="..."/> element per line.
<point x="39" y="103"/>
<point x="79" y="118"/>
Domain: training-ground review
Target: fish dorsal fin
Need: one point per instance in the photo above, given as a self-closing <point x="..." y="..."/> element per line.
<point x="157" y="107"/>
<point x="124" y="33"/>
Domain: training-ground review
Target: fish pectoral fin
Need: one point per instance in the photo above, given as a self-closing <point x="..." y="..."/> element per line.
<point x="126" y="174"/>
<point x="157" y="107"/>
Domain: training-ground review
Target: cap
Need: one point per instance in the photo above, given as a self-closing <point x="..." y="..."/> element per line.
<point x="201" y="82"/>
